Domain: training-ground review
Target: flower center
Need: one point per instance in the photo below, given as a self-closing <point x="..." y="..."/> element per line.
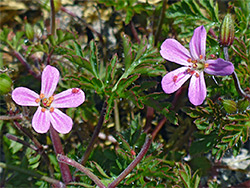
<point x="197" y="64"/>
<point x="45" y="102"/>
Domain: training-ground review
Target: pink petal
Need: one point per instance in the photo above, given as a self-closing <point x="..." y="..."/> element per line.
<point x="25" y="97"/>
<point x="61" y="122"/>
<point x="219" y="67"/>
<point x="197" y="45"/>
<point x="68" y="99"/>
<point x="41" y="121"/>
<point x="197" y="89"/>
<point x="173" y="80"/>
<point x="50" y="78"/>
<point x="173" y="51"/>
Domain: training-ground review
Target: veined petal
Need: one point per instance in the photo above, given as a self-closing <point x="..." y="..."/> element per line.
<point x="50" y="78"/>
<point x="69" y="98"/>
<point x="197" y="45"/>
<point x="41" y="121"/>
<point x="61" y="122"/>
<point x="25" y="97"/>
<point x="219" y="67"/>
<point x="197" y="89"/>
<point x="173" y="80"/>
<point x="173" y="51"/>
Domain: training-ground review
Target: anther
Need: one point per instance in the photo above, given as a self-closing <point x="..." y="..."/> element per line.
<point x="192" y="72"/>
<point x="206" y="65"/>
<point x="197" y="75"/>
<point x="43" y="109"/>
<point x="189" y="60"/>
<point x="194" y="65"/>
<point x="42" y="96"/>
<point x="37" y="100"/>
<point x="51" y="109"/>
<point x="188" y="70"/>
<point x="75" y="90"/>
<point x="201" y="56"/>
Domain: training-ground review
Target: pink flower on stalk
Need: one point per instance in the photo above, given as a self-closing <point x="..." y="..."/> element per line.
<point x="194" y="64"/>
<point x="48" y="103"/>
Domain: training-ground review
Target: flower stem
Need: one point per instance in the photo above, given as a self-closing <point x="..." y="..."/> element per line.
<point x="94" y="136"/>
<point x="117" y="118"/>
<point x="66" y="175"/>
<point x="68" y="161"/>
<point x="134" y="32"/>
<point x="32" y="173"/>
<point x="132" y="165"/>
<point x="235" y="77"/>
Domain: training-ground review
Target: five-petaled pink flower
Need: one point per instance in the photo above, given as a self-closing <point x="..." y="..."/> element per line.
<point x="48" y="103"/>
<point x="194" y="64"/>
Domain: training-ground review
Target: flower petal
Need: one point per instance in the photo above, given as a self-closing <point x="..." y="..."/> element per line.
<point x="50" y="78"/>
<point x="197" y="45"/>
<point x="25" y="97"/>
<point x="41" y="121"/>
<point x="197" y="89"/>
<point x="69" y="98"/>
<point x="173" y="51"/>
<point x="219" y="67"/>
<point x="61" y="122"/>
<point x="173" y="80"/>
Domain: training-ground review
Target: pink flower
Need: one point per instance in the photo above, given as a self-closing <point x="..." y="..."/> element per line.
<point x="48" y="103"/>
<point x="194" y="64"/>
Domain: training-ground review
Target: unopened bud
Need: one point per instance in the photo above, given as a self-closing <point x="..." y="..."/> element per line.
<point x="5" y="84"/>
<point x="29" y="31"/>
<point x="227" y="31"/>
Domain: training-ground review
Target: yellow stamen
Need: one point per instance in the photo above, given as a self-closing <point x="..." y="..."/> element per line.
<point x="194" y="65"/>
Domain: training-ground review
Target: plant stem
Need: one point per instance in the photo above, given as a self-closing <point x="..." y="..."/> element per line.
<point x="117" y="118"/>
<point x="132" y="165"/>
<point x="134" y="32"/>
<point x="159" y="26"/>
<point x="16" y="139"/>
<point x="19" y="116"/>
<point x="32" y="173"/>
<point x="66" y="160"/>
<point x="235" y="77"/>
<point x="26" y="64"/>
<point x="52" y="18"/>
<point x="66" y="175"/>
<point x="94" y="136"/>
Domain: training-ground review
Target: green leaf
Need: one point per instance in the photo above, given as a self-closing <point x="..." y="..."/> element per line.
<point x="126" y="82"/>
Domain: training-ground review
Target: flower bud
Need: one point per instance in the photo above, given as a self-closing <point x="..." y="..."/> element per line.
<point x="5" y="84"/>
<point x="227" y="31"/>
<point x="29" y="31"/>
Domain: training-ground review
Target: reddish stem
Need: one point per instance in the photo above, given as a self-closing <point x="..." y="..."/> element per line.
<point x="66" y="175"/>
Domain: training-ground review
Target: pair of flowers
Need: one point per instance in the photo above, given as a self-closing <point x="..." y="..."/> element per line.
<point x="194" y="65"/>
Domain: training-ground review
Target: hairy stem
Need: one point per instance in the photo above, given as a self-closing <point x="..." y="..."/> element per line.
<point x="66" y="175"/>
<point x="94" y="136"/>
<point x="132" y="165"/>
<point x="134" y="32"/>
<point x="68" y="161"/>
<point x="32" y="173"/>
